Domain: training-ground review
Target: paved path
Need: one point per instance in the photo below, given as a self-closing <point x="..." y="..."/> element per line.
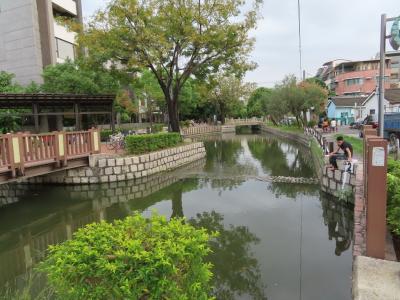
<point x="344" y="130"/>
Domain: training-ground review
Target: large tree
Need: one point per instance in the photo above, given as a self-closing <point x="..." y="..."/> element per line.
<point x="257" y="104"/>
<point x="174" y="39"/>
<point x="228" y="95"/>
<point x="78" y="78"/>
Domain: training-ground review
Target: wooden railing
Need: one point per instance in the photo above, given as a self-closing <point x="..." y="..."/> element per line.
<point x="198" y="130"/>
<point x="25" y="150"/>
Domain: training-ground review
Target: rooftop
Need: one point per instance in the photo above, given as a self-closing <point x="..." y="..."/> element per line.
<point x="348" y="101"/>
<point x="392" y="95"/>
<point x="22" y="100"/>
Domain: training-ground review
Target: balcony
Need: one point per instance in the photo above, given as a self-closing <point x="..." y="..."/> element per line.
<point x="68" y="6"/>
<point x="62" y="33"/>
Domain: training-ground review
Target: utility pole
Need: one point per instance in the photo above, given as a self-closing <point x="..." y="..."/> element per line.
<point x="382" y="75"/>
<point x="300" y="50"/>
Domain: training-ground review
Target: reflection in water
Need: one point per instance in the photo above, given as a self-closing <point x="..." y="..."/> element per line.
<point x="207" y="193"/>
<point x="281" y="158"/>
<point x="236" y="270"/>
<point x="339" y="219"/>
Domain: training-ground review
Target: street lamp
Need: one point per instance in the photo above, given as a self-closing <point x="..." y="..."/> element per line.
<point x="395" y="43"/>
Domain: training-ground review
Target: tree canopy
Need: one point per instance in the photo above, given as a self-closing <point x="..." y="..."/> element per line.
<point x="71" y="77"/>
<point x="257" y="104"/>
<point x="288" y="98"/>
<point x="175" y="40"/>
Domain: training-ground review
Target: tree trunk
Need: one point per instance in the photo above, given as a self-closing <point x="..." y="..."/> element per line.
<point x="173" y="115"/>
<point x="222" y="111"/>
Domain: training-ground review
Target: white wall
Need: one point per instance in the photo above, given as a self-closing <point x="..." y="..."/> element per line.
<point x="20" y="49"/>
<point x="67" y="5"/>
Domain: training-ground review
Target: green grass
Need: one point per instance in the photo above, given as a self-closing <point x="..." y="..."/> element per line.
<point x="316" y="151"/>
<point x="357" y="143"/>
<point x="287" y="128"/>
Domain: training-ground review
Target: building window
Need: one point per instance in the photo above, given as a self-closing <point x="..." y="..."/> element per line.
<point x="386" y="78"/>
<point x="372" y="111"/>
<point x="354" y="81"/>
<point x="65" y="49"/>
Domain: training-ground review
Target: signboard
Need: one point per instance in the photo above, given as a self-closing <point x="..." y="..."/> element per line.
<point x="395" y="34"/>
<point x="378" y="157"/>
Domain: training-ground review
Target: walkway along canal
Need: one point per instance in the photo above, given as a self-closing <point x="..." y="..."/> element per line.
<point x="277" y="240"/>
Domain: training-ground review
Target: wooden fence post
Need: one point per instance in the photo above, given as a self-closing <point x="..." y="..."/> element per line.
<point x="59" y="148"/>
<point x="10" y="149"/>
<point x="95" y="141"/>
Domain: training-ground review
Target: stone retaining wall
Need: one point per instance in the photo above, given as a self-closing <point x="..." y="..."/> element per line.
<point x="111" y="169"/>
<point x="332" y="182"/>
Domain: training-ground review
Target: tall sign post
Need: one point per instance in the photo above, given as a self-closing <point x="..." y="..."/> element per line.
<point x="394" y="38"/>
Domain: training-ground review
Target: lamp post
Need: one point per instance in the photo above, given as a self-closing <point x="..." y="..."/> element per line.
<point x="395" y="43"/>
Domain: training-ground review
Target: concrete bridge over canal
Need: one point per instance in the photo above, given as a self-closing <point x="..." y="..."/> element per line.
<point x="228" y="127"/>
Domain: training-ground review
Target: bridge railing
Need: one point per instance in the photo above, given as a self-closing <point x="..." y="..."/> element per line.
<point x="198" y="130"/>
<point x="246" y="121"/>
<point x="23" y="150"/>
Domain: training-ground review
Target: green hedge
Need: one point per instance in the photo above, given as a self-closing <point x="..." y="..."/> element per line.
<point x="157" y="128"/>
<point x="135" y="258"/>
<point x="393" y="193"/>
<point x="138" y="144"/>
<point x="104" y="134"/>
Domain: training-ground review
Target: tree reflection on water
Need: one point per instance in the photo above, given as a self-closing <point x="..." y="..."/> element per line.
<point x="236" y="270"/>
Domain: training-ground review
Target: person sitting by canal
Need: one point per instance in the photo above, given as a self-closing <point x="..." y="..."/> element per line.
<point x="347" y="154"/>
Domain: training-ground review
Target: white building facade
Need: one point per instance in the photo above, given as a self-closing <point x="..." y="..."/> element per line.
<point x="31" y="38"/>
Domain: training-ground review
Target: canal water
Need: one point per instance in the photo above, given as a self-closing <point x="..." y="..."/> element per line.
<point x="277" y="240"/>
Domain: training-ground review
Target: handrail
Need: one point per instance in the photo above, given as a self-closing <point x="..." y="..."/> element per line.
<point x="23" y="150"/>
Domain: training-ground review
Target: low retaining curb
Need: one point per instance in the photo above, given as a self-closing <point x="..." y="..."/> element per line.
<point x="111" y="169"/>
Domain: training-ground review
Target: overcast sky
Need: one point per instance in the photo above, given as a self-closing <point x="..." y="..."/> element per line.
<point x="331" y="29"/>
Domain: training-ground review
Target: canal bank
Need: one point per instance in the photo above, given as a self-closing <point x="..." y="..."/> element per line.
<point x="279" y="239"/>
<point x="112" y="168"/>
<point x="372" y="278"/>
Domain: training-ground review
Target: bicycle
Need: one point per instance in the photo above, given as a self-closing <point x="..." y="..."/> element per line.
<point x="116" y="141"/>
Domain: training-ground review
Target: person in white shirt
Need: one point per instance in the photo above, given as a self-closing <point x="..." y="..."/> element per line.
<point x="333" y="125"/>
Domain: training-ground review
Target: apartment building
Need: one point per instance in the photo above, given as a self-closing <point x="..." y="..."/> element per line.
<point x="395" y="68"/>
<point x="31" y="38"/>
<point x="355" y="78"/>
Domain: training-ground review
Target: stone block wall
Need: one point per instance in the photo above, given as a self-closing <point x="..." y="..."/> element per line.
<point x="338" y="183"/>
<point x="111" y="169"/>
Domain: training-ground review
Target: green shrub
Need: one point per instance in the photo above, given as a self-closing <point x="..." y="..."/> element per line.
<point x="393" y="202"/>
<point x="135" y="258"/>
<point x="157" y="128"/>
<point x="311" y="124"/>
<point x="104" y="134"/>
<point x="393" y="167"/>
<point x="138" y="144"/>
<point x="185" y="123"/>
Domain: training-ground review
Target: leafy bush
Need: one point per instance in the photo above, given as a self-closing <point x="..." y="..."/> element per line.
<point x="135" y="258"/>
<point x="393" y="167"/>
<point x="157" y="128"/>
<point x="104" y="134"/>
<point x="311" y="124"/>
<point x="138" y="144"/>
<point x="393" y="203"/>
<point x="185" y="123"/>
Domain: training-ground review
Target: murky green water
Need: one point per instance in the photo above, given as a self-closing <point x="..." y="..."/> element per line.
<point x="277" y="240"/>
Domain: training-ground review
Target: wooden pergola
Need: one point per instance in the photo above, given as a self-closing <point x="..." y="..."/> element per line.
<point x="43" y="105"/>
